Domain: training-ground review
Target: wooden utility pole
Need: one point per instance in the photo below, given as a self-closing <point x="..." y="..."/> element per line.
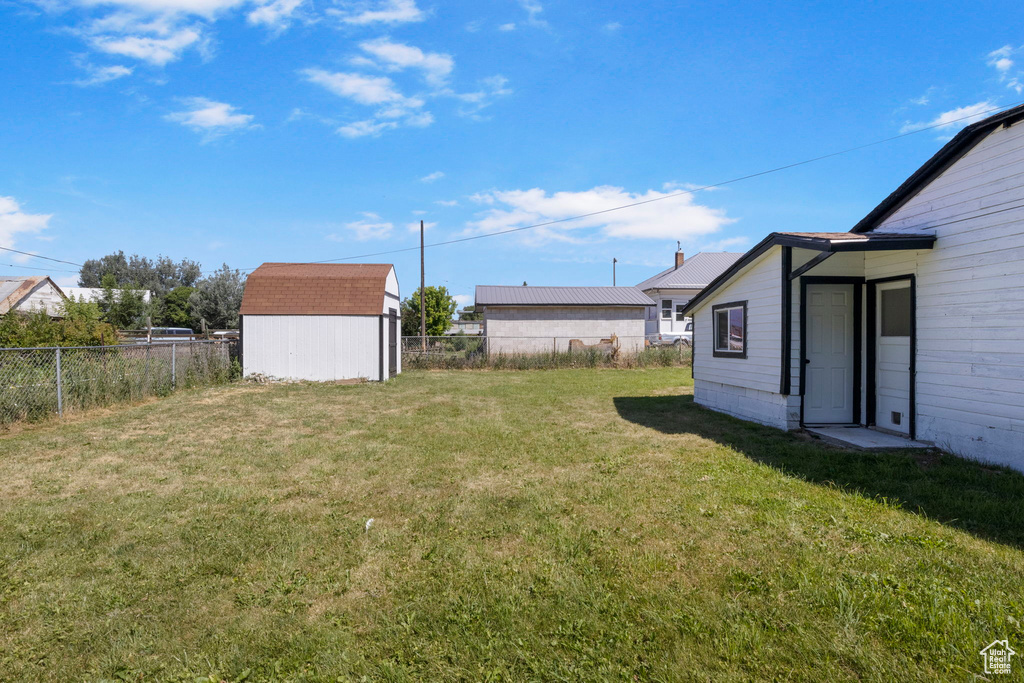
<point x="614" y="261"/>
<point x="423" y="284"/>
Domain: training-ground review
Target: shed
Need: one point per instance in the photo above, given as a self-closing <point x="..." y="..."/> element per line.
<point x="29" y="294"/>
<point x="910" y="325"/>
<point x="544" y="319"/>
<point x="321" y="322"/>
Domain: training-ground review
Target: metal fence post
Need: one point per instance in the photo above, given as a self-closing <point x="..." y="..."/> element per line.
<point x="174" y="374"/>
<point x="60" y="398"/>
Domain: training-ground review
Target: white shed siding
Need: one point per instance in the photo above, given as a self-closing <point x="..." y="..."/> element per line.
<point x="970" y="300"/>
<point x="541" y="329"/>
<point x="313" y="347"/>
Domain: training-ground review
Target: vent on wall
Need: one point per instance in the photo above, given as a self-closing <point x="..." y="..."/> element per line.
<point x="896" y="417"/>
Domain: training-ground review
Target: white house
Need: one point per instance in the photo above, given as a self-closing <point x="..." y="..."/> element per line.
<point x="912" y="323"/>
<point x="321" y="322"/>
<point x="672" y="289"/>
<point x="29" y="294"/>
<point x="546" y="319"/>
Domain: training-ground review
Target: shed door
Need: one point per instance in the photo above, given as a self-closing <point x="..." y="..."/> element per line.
<point x="392" y="342"/>
<point x="892" y="376"/>
<point x="829" y="373"/>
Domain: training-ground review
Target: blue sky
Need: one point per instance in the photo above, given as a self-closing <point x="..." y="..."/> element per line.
<point x="244" y="131"/>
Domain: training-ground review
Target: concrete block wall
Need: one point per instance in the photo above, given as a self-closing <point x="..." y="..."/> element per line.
<point x="542" y="329"/>
<point x="764" y="407"/>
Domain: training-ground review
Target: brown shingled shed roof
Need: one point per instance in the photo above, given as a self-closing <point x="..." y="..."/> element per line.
<point x="316" y="289"/>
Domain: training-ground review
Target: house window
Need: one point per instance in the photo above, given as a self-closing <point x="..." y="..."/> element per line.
<point x="896" y="312"/>
<point x="666" y="309"/>
<point x="679" y="312"/>
<point x="730" y="329"/>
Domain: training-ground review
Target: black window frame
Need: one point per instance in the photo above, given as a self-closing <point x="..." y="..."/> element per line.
<point x="679" y="316"/>
<point x="714" y="330"/>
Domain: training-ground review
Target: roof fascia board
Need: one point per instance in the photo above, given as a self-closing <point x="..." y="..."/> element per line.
<point x="952" y="152"/>
<point x="755" y="253"/>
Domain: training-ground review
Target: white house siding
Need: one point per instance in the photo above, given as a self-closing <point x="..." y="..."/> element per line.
<point x="970" y="300"/>
<point x="313" y="347"/>
<point x="746" y="387"/>
<point x="542" y="329"/>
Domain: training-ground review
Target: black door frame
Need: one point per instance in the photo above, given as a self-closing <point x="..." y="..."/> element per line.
<point x="871" y="398"/>
<point x="858" y="289"/>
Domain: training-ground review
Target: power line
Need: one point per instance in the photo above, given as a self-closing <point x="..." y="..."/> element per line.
<point x="47" y="270"/>
<point x="28" y="253"/>
<point x="680" y="193"/>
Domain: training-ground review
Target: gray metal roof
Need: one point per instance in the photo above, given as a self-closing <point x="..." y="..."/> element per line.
<point x="496" y="295"/>
<point x="695" y="273"/>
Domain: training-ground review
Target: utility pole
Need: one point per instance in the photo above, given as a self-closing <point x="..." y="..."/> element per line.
<point x="614" y="261"/>
<point x="423" y="283"/>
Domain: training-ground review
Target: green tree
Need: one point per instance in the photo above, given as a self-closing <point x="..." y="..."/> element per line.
<point x="124" y="307"/>
<point x="176" y="311"/>
<point x="439" y="307"/>
<point x="470" y="313"/>
<point x="81" y="324"/>
<point x="217" y="299"/>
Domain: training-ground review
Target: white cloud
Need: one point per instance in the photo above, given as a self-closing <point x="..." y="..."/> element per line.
<point x="474" y="102"/>
<point x="13" y="221"/>
<point x="447" y="202"/>
<point x="507" y="27"/>
<point x="727" y="244"/>
<point x="415" y="226"/>
<point x="393" y="108"/>
<point x="386" y="12"/>
<point x="436" y="66"/>
<point x="954" y="118"/>
<point x="369" y="230"/>
<point x="209" y="117"/>
<point x="436" y="175"/>
<point x="104" y="74"/>
<point x="1002" y="60"/>
<point x="369" y="90"/>
<point x="676" y="218"/>
<point x="463" y="300"/>
<point x="533" y="12"/>
<point x="612" y="26"/>
<point x="155" y="50"/>
<point x="275" y="14"/>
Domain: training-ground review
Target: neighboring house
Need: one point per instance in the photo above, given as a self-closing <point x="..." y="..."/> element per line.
<point x="672" y="289"/>
<point x="93" y="294"/>
<point x="912" y="323"/>
<point x="545" y="319"/>
<point x="466" y="327"/>
<point x="321" y="322"/>
<point x="30" y="294"/>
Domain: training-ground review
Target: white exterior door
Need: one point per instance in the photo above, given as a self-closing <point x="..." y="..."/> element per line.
<point x="828" y="398"/>
<point x="892" y="354"/>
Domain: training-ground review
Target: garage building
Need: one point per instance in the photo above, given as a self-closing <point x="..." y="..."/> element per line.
<point x="321" y="322"/>
<point x="545" y="319"/>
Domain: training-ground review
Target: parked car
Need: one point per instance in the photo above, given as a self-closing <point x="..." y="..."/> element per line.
<point x="684" y="338"/>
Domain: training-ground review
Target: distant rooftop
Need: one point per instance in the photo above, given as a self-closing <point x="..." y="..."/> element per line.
<point x="496" y="295"/>
<point x="696" y="272"/>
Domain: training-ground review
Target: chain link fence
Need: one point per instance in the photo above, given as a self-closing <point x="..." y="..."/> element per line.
<point x="472" y="351"/>
<point x="42" y="382"/>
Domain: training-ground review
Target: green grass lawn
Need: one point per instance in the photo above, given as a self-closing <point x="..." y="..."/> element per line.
<point x="546" y="525"/>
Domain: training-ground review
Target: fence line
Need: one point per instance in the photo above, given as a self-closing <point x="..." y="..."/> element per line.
<point x="40" y="382"/>
<point x="478" y="351"/>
